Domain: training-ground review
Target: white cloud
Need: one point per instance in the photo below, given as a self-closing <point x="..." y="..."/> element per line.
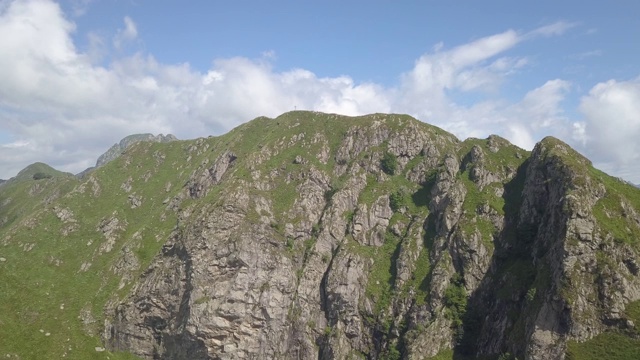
<point x="59" y="106"/>
<point x="480" y="66"/>
<point x="16" y="144"/>
<point x="537" y="114"/>
<point x="66" y="110"/>
<point x="611" y="126"/>
<point x="423" y="90"/>
<point x="79" y="7"/>
<point x="455" y="68"/>
<point x="554" y="29"/>
<point x="126" y="35"/>
<point x="542" y="105"/>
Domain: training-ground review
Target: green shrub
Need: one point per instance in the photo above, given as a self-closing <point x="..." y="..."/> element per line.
<point x="389" y="163"/>
<point x="202" y="300"/>
<point x="507" y="356"/>
<point x="394" y="354"/>
<point x="455" y="300"/>
<point x="328" y="331"/>
<point x="531" y="294"/>
<point x="397" y="200"/>
<point x="41" y="175"/>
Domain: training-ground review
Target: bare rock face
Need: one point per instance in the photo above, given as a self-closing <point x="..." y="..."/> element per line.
<point x="200" y="183"/>
<point x="370" y="226"/>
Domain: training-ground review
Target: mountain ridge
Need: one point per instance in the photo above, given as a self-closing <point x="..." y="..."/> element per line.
<point x="117" y="148"/>
<point x="322" y="236"/>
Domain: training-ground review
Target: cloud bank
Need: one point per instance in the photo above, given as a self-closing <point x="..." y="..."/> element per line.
<point x="611" y="128"/>
<point x="61" y="106"/>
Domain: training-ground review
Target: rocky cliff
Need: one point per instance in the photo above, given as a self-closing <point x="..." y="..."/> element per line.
<point x="118" y="148"/>
<point x="320" y="236"/>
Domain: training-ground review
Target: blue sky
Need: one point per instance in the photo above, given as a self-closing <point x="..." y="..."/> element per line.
<point x="78" y="75"/>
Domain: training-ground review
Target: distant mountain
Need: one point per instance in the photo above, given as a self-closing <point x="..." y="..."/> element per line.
<point x="117" y="149"/>
<point x="38" y="171"/>
<point x="35" y="185"/>
<point x="319" y="236"/>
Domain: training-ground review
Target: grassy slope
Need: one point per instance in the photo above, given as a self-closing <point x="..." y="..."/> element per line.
<point x="22" y="195"/>
<point x="614" y="345"/>
<point x="44" y="289"/>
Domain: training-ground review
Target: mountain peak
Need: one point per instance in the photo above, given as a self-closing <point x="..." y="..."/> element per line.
<point x="118" y="148"/>
<point x="37" y="171"/>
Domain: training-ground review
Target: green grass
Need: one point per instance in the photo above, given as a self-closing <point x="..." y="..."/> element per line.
<point x="518" y="274"/>
<point x="51" y="296"/>
<point x="443" y="355"/>
<point x="609" y="212"/>
<point x="506" y="156"/>
<point x="419" y="281"/>
<point x="382" y="273"/>
<point x="608" y="345"/>
<point x="503" y="160"/>
<point x="632" y="311"/>
<point x="412" y="199"/>
<point x="473" y="201"/>
<point x="30" y="171"/>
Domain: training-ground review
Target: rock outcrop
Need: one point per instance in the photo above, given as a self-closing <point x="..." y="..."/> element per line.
<point x="116" y="150"/>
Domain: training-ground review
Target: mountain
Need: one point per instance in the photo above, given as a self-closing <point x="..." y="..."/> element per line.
<point x="117" y="149"/>
<point x="322" y="236"/>
<point x="37" y="171"/>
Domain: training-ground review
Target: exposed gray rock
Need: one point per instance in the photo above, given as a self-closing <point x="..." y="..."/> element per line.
<point x="117" y="149"/>
<point x="201" y="182"/>
<point x="369" y="226"/>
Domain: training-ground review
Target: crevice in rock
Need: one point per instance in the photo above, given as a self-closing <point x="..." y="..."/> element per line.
<point x="178" y="343"/>
<point x="487" y="325"/>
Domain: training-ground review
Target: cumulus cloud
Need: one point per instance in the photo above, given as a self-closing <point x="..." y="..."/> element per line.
<point x="456" y="68"/>
<point x="423" y="90"/>
<point x="611" y="126"/>
<point x="62" y="108"/>
<point x="59" y="105"/>
<point x="479" y="66"/>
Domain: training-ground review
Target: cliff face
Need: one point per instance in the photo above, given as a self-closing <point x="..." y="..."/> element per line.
<point x="380" y="237"/>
